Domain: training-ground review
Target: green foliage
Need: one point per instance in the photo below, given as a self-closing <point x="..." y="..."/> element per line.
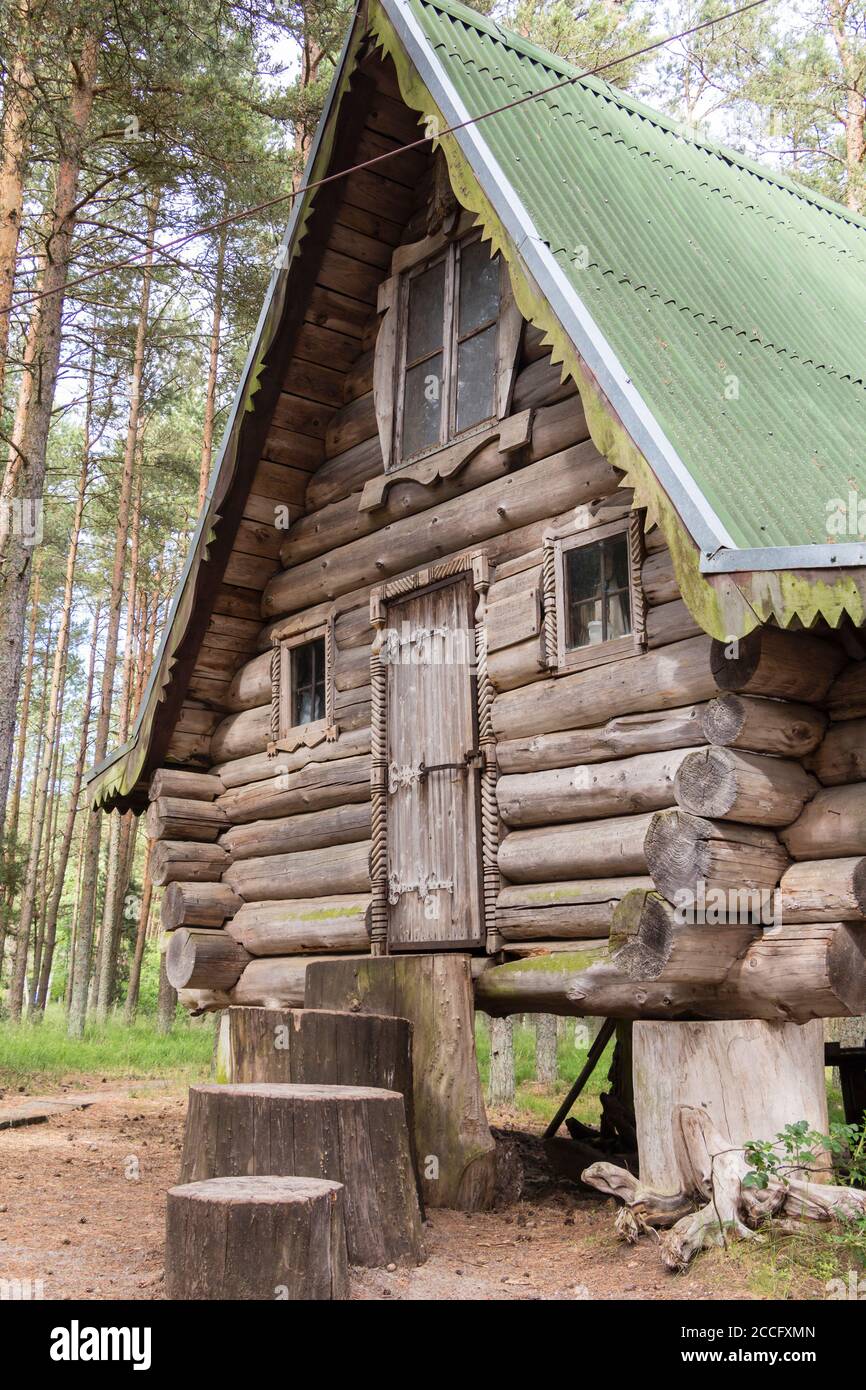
<point x="536" y="1102"/>
<point x="40" y="1054"/>
<point x="797" y="1148"/>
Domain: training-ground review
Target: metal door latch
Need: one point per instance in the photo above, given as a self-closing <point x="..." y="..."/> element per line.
<point x="470" y="759"/>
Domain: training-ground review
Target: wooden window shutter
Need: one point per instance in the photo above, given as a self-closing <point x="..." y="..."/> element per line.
<point x="385" y="365"/>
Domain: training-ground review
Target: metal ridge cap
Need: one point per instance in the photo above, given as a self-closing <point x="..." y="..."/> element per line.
<point x="704" y="525"/>
<point x="731" y="560"/>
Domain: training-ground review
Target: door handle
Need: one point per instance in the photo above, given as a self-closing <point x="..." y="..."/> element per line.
<point x="468" y="760"/>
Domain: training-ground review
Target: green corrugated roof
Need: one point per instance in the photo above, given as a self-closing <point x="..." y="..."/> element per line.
<point x="698" y="267"/>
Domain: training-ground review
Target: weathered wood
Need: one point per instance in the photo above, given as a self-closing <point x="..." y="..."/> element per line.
<point x="683" y="851"/>
<point x="259" y="767"/>
<point x="316" y="786"/>
<point x="590" y="849"/>
<point x="663" y="679"/>
<point x="343" y="522"/>
<point x="351" y="425"/>
<point x="356" y="1135"/>
<point x="695" y="1146"/>
<point x="657" y="578"/>
<point x="669" y="622"/>
<point x="174" y="818"/>
<point x="344" y="474"/>
<point x="251" y="685"/>
<point x="273" y="982"/>
<point x="181" y="861"/>
<point x="556" y="427"/>
<point x="847" y="695"/>
<point x="842" y="755"/>
<point x="197" y="905"/>
<point x="513" y="619"/>
<point x="726" y="784"/>
<point x="648" y="939"/>
<point x="568" y="910"/>
<point x="831" y="826"/>
<point x="630" y="734"/>
<point x="824" y="890"/>
<point x="751" y="1078"/>
<point x="241" y="734"/>
<point x="308" y="924"/>
<point x="763" y="726"/>
<point x="308" y="873"/>
<point x="201" y="959"/>
<point x="455" y="1149"/>
<point x="189" y="786"/>
<point x="540" y="383"/>
<point x="774" y="661"/>
<point x="316" y="1047"/>
<point x="794" y="973"/>
<point x="263" y="1238"/>
<point x="550" y="486"/>
<point x="641" y="783"/>
<point x="513" y="666"/>
<point x="340" y="825"/>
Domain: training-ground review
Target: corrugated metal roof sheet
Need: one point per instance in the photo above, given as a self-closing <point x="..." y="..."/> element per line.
<point x="735" y="300"/>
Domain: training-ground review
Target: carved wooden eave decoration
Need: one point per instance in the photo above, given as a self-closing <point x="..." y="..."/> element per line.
<point x="512" y="434"/>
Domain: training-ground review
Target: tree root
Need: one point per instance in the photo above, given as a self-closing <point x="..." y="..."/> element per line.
<point x="712" y="1172"/>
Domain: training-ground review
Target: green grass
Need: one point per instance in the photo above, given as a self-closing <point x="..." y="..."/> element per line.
<point x="539" y="1103"/>
<point x="39" y="1055"/>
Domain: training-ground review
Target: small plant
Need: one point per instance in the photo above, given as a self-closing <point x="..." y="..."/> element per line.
<point x="796" y="1149"/>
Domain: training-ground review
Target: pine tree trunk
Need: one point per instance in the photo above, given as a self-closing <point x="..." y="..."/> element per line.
<point x="167" y="1004"/>
<point x="134" y="986"/>
<point x="213" y="368"/>
<point x="18" y="93"/>
<point x="545" y="1049"/>
<point x="68" y="830"/>
<point x="33" y="885"/>
<point x="10" y="840"/>
<point x="17" y="560"/>
<point x="500" y="1088"/>
<point x="84" y="943"/>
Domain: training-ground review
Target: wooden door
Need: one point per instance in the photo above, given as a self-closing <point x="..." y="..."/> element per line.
<point x="434" y="814"/>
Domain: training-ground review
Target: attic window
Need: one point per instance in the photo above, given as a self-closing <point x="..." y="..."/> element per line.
<point x="301" y="688"/>
<point x="449" y="349"/>
<point x="594" y="604"/>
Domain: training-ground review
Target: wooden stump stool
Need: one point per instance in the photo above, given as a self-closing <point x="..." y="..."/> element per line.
<point x="354" y="1135"/>
<point x="256" y="1238"/>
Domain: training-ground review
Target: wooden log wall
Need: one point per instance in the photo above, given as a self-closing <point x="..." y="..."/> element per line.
<point x="689" y="763"/>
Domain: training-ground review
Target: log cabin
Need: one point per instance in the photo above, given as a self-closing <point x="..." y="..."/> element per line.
<point x="525" y="613"/>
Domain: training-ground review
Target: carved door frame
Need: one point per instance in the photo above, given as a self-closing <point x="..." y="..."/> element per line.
<point x="474" y="564"/>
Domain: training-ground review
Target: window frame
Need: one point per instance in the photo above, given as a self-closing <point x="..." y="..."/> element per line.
<point x="557" y="545"/>
<point x="286" y="734"/>
<point x="451" y="254"/>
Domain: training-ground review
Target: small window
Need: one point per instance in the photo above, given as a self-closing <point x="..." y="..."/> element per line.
<point x="597" y="613"/>
<point x="301" y="687"/>
<point x="308" y="682"/>
<point x="447" y="384"/>
<point x="597" y="593"/>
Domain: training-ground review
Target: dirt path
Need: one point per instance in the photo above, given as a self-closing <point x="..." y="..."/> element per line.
<point x="82" y="1201"/>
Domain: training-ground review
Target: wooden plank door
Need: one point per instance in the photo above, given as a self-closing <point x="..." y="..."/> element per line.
<point x="434" y="813"/>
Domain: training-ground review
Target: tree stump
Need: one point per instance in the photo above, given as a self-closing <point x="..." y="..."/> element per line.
<point x="456" y="1151"/>
<point x="256" y="1238"/>
<point x="318" y="1047"/>
<point x="702" y="1091"/>
<point x="355" y="1135"/>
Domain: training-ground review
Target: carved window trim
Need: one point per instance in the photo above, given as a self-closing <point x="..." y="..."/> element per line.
<point x="476" y="565"/>
<point x="559" y="659"/>
<point x="286" y="737"/>
<point x="408" y="261"/>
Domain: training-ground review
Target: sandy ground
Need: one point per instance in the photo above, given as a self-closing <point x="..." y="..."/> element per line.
<point x="82" y="1199"/>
